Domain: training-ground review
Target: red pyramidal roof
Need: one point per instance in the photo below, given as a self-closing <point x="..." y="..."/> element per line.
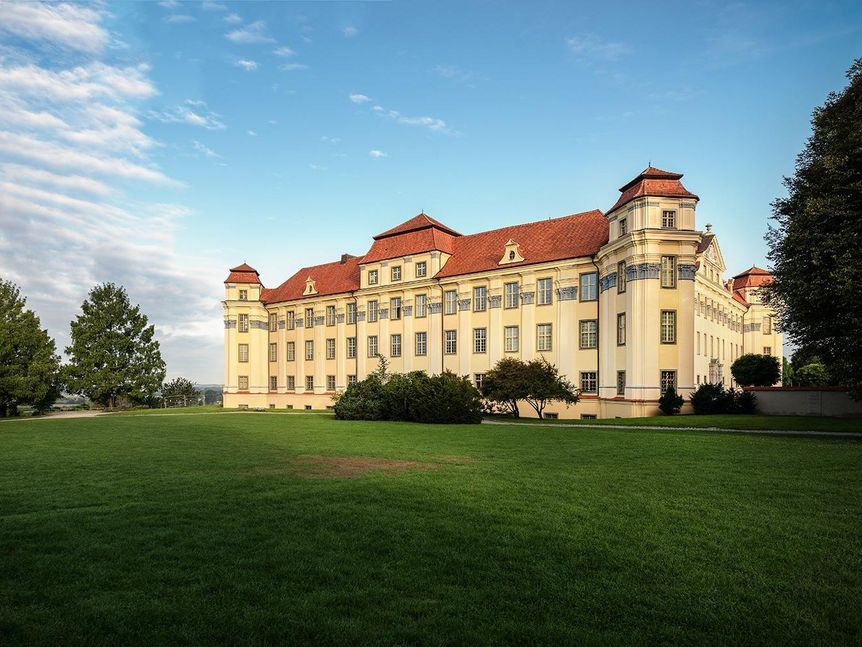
<point x="244" y="273"/>
<point x="421" y="221"/>
<point x="419" y="234"/>
<point x="656" y="182"/>
<point x="753" y="277"/>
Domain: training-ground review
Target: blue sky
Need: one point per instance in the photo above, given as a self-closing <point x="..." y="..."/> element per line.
<point x="157" y="144"/>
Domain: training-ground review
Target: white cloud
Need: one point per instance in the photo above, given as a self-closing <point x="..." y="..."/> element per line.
<point x="316" y="167"/>
<point x="350" y="31"/>
<point x="184" y="114"/>
<point x="294" y="67"/>
<point x="252" y="33"/>
<point x="432" y="123"/>
<point x="21" y="174"/>
<point x="330" y="140"/>
<point x="65" y="25"/>
<point x="212" y="5"/>
<point x="233" y="19"/>
<point x="359" y="98"/>
<point x="251" y="133"/>
<point x="283" y="51"/>
<point x="452" y="72"/>
<point x="205" y="150"/>
<point x="589" y="48"/>
<point x="178" y="18"/>
<point x="83" y="83"/>
<point x="247" y="65"/>
<point x="169" y="4"/>
<point x="377" y="154"/>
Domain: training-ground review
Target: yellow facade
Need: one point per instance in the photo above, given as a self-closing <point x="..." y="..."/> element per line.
<point x="679" y="319"/>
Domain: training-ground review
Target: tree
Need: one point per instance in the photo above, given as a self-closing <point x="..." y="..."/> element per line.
<point x="180" y="391"/>
<point x="545" y="384"/>
<point x="506" y="383"/>
<point x="212" y="396"/>
<point x="670" y="403"/>
<point x="114" y="353"/>
<point x="814" y="246"/>
<point x="29" y="365"/>
<point x="813" y="374"/>
<point x="752" y="369"/>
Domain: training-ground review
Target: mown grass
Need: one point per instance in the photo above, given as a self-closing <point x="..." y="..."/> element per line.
<point x="753" y="422"/>
<point x="212" y="529"/>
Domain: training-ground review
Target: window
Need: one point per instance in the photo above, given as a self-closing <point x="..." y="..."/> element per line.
<point x="450" y="302"/>
<point x="624" y="227"/>
<point x="351" y="313"/>
<point x="621" y="383"/>
<point x="273" y="322"/>
<point x="698" y="344"/>
<point x="589" y="287"/>
<point x="668" y="271"/>
<point x="451" y="345"/>
<point x="330" y="315"/>
<point x="766" y="329"/>
<point x="589" y="382"/>
<point x="480" y="340"/>
<point x="395" y="273"/>
<point x="512" y="255"/>
<point x="621" y="329"/>
<point x="668" y="326"/>
<point x="309" y="383"/>
<point x="479" y="380"/>
<point x="589" y="333"/>
<point x="291" y="351"/>
<point x="667" y="380"/>
<point x="480" y="299"/>
<point x="588" y="416"/>
<point x="421" y="302"/>
<point x="421" y="269"/>
<point x="330" y="349"/>
<point x="309" y="349"/>
<point x="372" y="277"/>
<point x="243" y="382"/>
<point x="243" y="323"/>
<point x="243" y="295"/>
<point x="309" y="317"/>
<point x="372" y="311"/>
<point x="395" y="345"/>
<point x="330" y="383"/>
<point x="543" y="337"/>
<point x="395" y="308"/>
<point x="273" y="383"/>
<point x="767" y="350"/>
<point x="421" y="343"/>
<point x="510" y="338"/>
<point x="545" y="289"/>
<point x="372" y="345"/>
<point x="273" y="352"/>
<point x="668" y="219"/>
<point x="621" y="277"/>
<point x="291" y="383"/>
<point x="511" y="292"/>
<point x="351" y="348"/>
<point x="243" y="352"/>
<point x="550" y="415"/>
<point x="291" y="320"/>
<point x="351" y="379"/>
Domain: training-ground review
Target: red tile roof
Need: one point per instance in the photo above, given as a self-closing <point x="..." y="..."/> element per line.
<point x="572" y="236"/>
<point x="244" y="273"/>
<point x="422" y="221"/>
<point x="705" y="242"/>
<point x="753" y="277"/>
<point x="329" y="278"/>
<point x="655" y="182"/>
<point x="409" y="242"/>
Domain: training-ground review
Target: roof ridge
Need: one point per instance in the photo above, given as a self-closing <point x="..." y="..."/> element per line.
<point x="537" y="222"/>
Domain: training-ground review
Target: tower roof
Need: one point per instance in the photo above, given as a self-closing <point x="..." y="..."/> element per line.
<point x="419" y="234"/>
<point x="244" y="273"/>
<point x="753" y="277"/>
<point x="417" y="223"/>
<point x="656" y="182"/>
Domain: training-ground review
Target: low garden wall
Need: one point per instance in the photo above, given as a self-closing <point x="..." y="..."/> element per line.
<point x="805" y="401"/>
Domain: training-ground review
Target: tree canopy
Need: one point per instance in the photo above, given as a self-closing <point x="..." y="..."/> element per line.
<point x="29" y="365"/>
<point x="114" y="354"/>
<point x="180" y="392"/>
<point x="753" y="369"/>
<point x="537" y="382"/>
<point x="815" y="247"/>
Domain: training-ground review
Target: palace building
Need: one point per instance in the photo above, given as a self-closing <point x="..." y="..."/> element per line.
<point x="625" y="303"/>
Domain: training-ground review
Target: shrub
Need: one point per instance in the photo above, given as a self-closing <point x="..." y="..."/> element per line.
<point x="756" y="370"/>
<point x="670" y="403"/>
<point x="813" y="374"/>
<point x="715" y="399"/>
<point x="746" y="402"/>
<point x="362" y="401"/>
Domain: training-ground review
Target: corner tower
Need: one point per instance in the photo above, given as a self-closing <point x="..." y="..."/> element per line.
<point x="245" y="334"/>
<point x="647" y="294"/>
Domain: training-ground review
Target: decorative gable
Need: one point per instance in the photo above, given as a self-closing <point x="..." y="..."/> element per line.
<point x="511" y="253"/>
<point x="309" y="287"/>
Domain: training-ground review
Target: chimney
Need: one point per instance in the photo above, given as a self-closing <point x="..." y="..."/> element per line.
<point x="346" y="257"/>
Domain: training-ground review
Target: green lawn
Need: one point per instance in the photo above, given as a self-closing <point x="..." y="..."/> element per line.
<point x="792" y="423"/>
<point x="241" y="528"/>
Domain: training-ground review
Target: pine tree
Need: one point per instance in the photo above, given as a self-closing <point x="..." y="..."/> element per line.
<point x="180" y="392"/>
<point x="29" y="365"/>
<point x="114" y="353"/>
<point x="816" y="246"/>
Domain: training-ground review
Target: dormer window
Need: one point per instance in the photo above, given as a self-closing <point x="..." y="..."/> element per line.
<point x="372" y="277"/>
<point x="309" y="287"/>
<point x="511" y="253"/>
<point x="243" y="295"/>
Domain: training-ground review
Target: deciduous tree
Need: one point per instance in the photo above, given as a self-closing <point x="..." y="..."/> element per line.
<point x="752" y="369"/>
<point x="505" y="384"/>
<point x="545" y="384"/>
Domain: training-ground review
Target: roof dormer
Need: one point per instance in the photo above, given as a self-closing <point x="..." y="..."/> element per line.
<point x="511" y="253"/>
<point x="310" y="288"/>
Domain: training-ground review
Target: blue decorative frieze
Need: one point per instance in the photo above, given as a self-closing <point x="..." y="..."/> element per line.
<point x="686" y="272"/>
<point x="643" y="271"/>
<point x="752" y="327"/>
<point x="384" y="263"/>
<point x="527" y="298"/>
<point x="567" y="294"/>
<point x="383" y="313"/>
<point x="281" y="324"/>
<point x="319" y="321"/>
<point x="495" y="301"/>
<point x="360" y="316"/>
<point x="298" y="322"/>
<point x="408" y="311"/>
<point x="608" y="281"/>
<point x="258" y="325"/>
<point x="230" y="323"/>
<point x="435" y="308"/>
<point x="464" y="304"/>
<point x="339" y="318"/>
